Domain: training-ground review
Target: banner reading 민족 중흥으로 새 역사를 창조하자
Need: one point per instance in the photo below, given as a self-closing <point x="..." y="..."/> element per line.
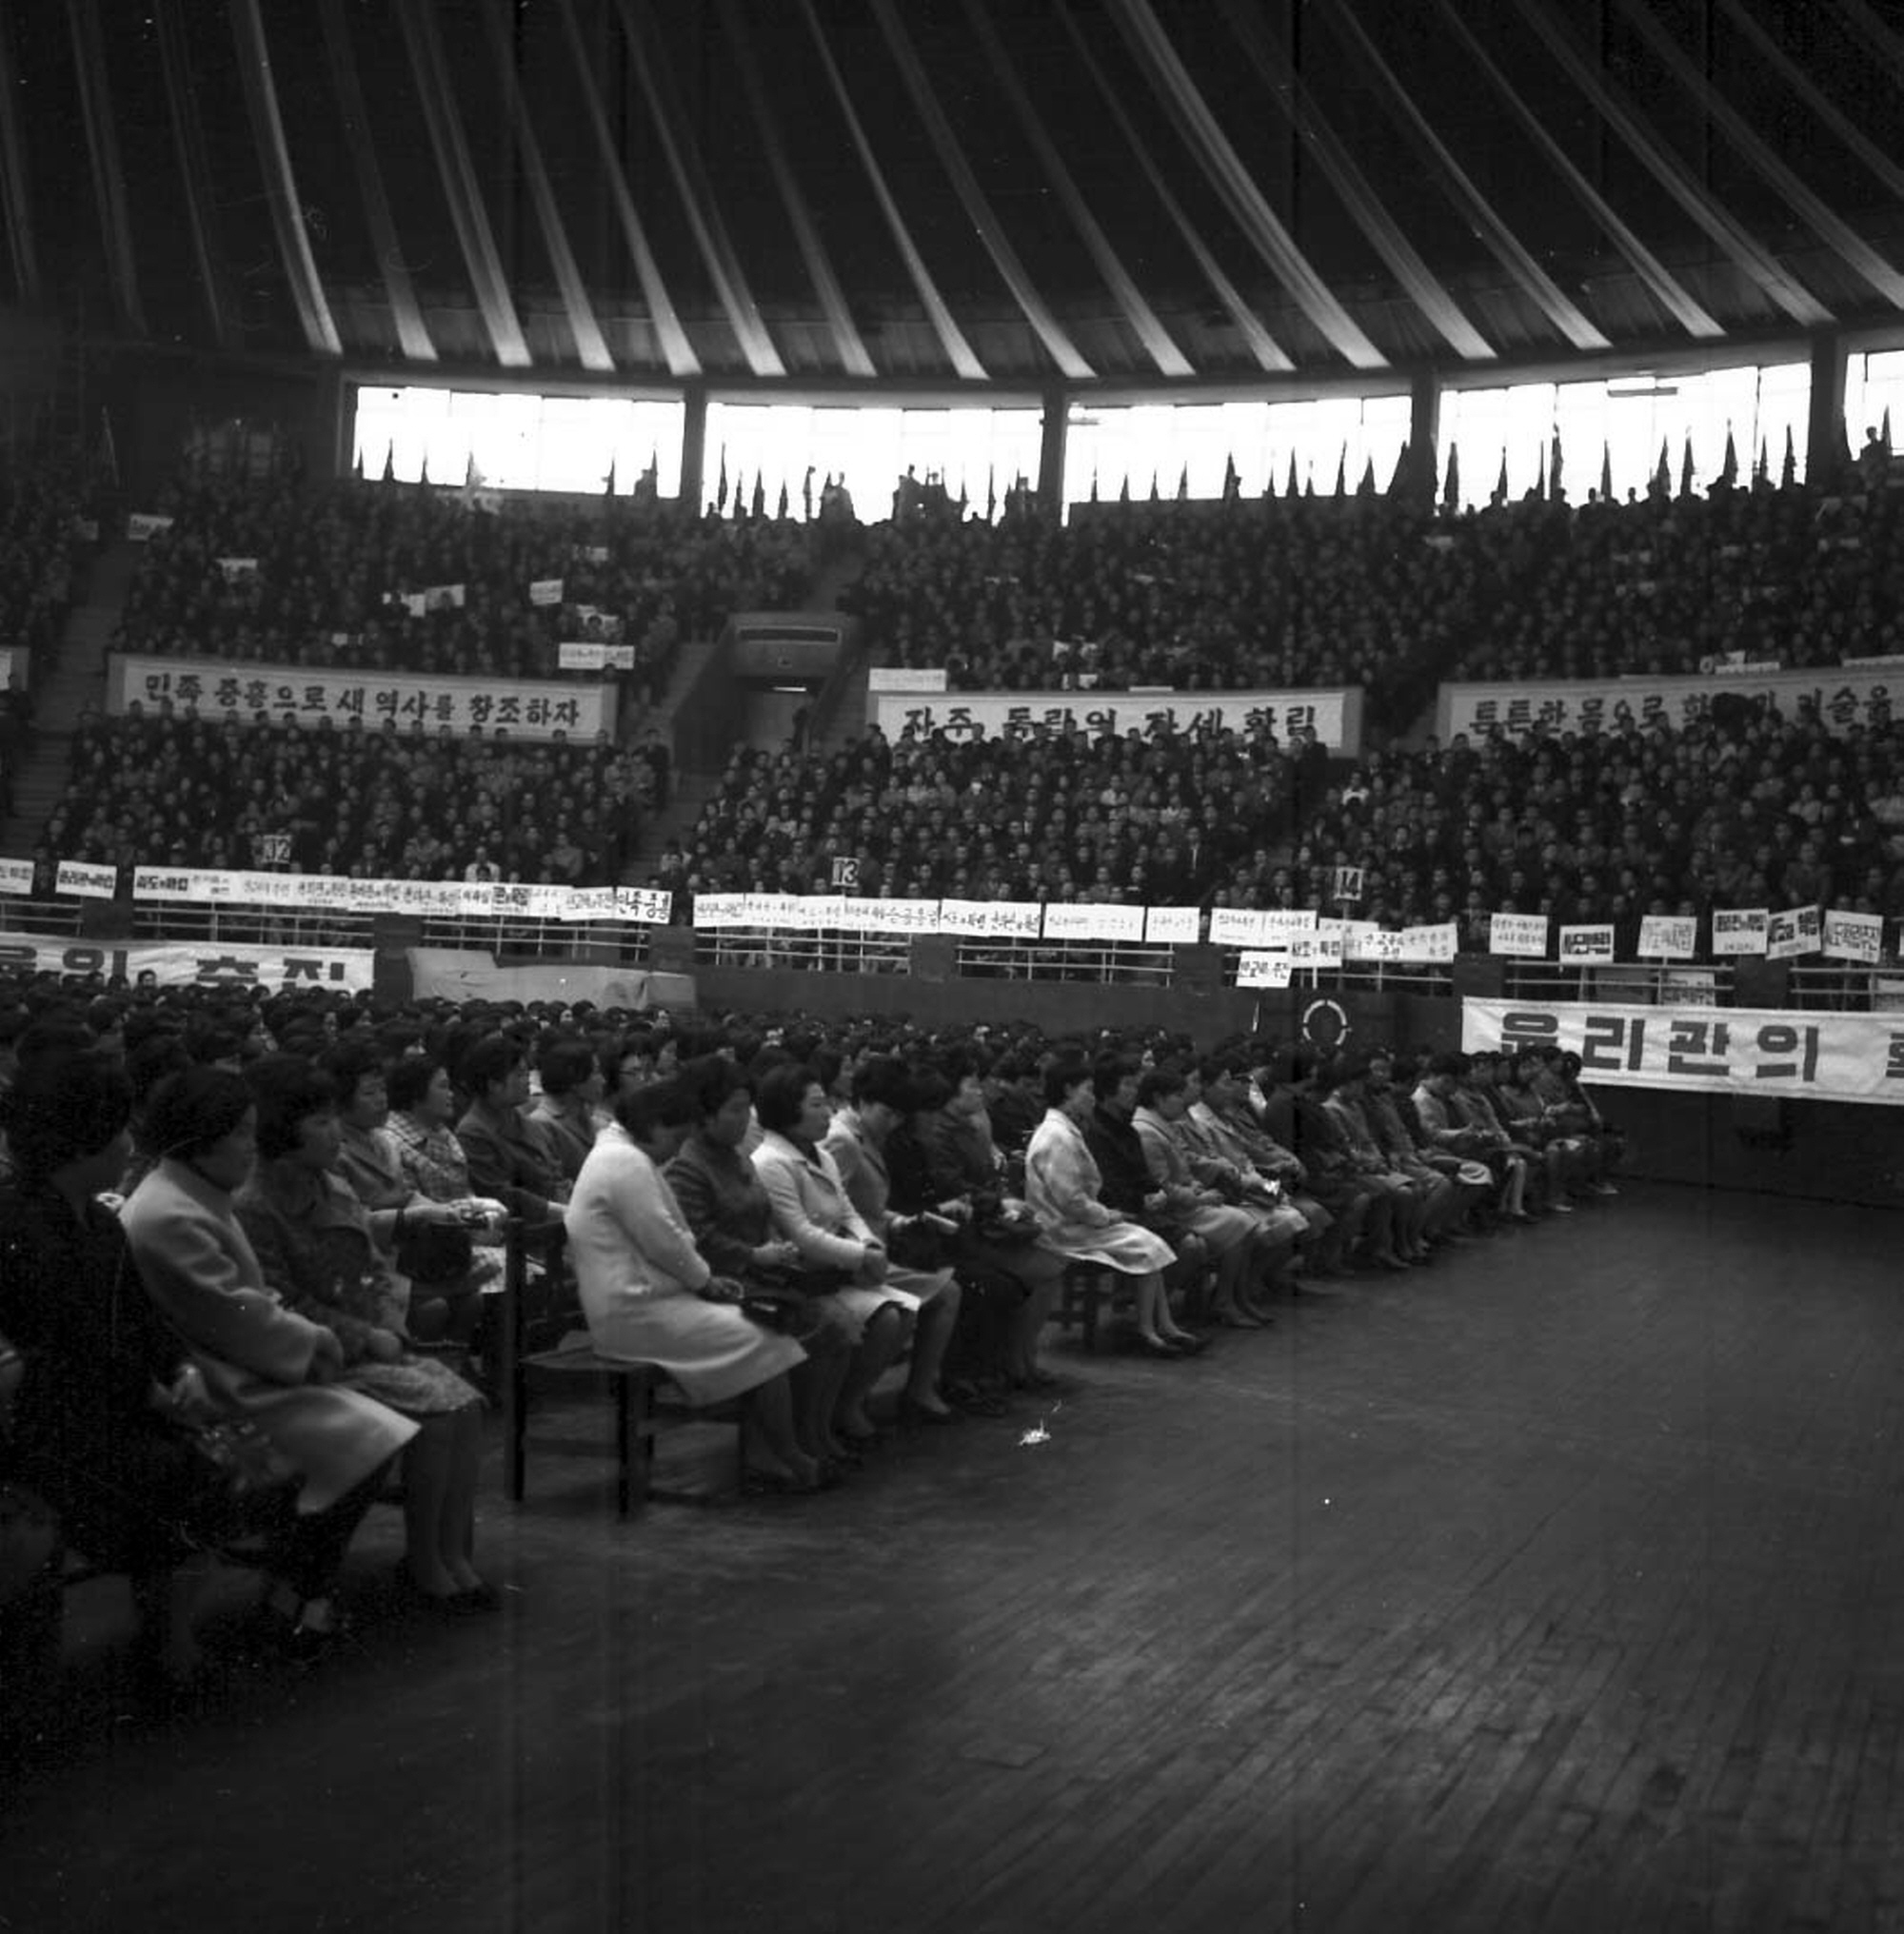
<point x="1812" y="1056"/>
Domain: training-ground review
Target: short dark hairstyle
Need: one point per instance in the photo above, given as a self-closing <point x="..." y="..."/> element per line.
<point x="288" y="1090"/>
<point x="65" y="1105"/>
<point x="192" y="1110"/>
<point x="563" y="1065"/>
<point x="659" y="1104"/>
<point x="1110" y="1072"/>
<point x="350" y="1063"/>
<point x="1061" y="1077"/>
<point x="884" y="1081"/>
<point x="408" y="1080"/>
<point x="779" y="1093"/>
<point x="1160" y="1083"/>
<point x="709" y="1080"/>
<point x="494" y="1058"/>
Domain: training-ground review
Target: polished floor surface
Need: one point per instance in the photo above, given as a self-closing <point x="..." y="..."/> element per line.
<point x="1557" y="1587"/>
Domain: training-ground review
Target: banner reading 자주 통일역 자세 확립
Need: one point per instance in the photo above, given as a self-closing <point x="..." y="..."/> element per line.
<point x="1810" y="1056"/>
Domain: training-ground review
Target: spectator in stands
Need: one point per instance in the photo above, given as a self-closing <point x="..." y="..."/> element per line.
<point x="258" y="1359"/>
<point x="316" y="1248"/>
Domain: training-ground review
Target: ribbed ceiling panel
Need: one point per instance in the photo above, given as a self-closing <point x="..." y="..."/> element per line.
<point x="1195" y="176"/>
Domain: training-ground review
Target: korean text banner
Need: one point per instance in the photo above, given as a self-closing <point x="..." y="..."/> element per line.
<point x="1844" y="696"/>
<point x="412" y="701"/>
<point x="1335" y="716"/>
<point x="1706" y="1050"/>
<point x="209" y="964"/>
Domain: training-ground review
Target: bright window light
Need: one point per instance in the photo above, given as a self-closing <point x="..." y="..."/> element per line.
<point x="510" y="440"/>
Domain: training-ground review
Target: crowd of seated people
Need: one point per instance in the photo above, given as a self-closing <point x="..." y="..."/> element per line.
<point x="270" y="1213"/>
<point x="1742" y="806"/>
<point x="1158" y="817"/>
<point x="169" y="790"/>
<point x="331" y="562"/>
<point x="1385" y="593"/>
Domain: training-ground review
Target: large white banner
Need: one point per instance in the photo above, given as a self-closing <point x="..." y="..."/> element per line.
<point x="1706" y="1050"/>
<point x="304" y="695"/>
<point x="1845" y="695"/>
<point x="427" y="898"/>
<point x="1335" y="716"/>
<point x="209" y="964"/>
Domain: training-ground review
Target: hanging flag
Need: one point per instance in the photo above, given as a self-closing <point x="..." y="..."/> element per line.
<point x="991" y="492"/>
<point x="1729" y="462"/>
<point x="780" y="513"/>
<point x="422" y="475"/>
<point x="1556" y="469"/>
<point x="1451" y="487"/>
<point x="721" y="485"/>
<point x="1232" y="484"/>
<point x="1884" y="432"/>
<point x="1156" y="497"/>
<point x="1403" y="483"/>
<point x="1788" y="474"/>
<point x="357" y="468"/>
<point x="1342" y="472"/>
<point x="390" y="462"/>
<point x="1499" y="495"/>
<point x="1366" y="487"/>
<point x="1761" y="471"/>
<point x="1295" y="481"/>
<point x="1686" y="468"/>
<point x="1606" y="473"/>
<point x="607" y="484"/>
<point x="1094" y="486"/>
<point x="757" y="507"/>
<point x="1661" y="486"/>
<point x="1123" y="490"/>
<point x="1183" y="484"/>
<point x="1541" y="479"/>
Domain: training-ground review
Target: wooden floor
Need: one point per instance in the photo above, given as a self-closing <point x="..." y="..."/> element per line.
<point x="1559" y="1587"/>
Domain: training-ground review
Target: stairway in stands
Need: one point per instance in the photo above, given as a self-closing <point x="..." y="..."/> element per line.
<point x="839" y="716"/>
<point x="62" y="692"/>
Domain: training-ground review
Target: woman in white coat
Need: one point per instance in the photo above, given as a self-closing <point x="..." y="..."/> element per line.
<point x="837" y="1249"/>
<point x="1061" y="1181"/>
<point x="650" y="1298"/>
<point x="258" y="1358"/>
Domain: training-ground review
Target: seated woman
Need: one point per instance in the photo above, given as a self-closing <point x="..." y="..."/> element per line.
<point x="1542" y="1125"/>
<point x="812" y="1211"/>
<point x="731" y="1219"/>
<point x="258" y="1359"/>
<point x="857" y="1140"/>
<point x="314" y="1242"/>
<point x="997" y="1240"/>
<point x="650" y="1296"/>
<point x="428" y="1241"/>
<point x="107" y="1387"/>
<point x="1061" y="1184"/>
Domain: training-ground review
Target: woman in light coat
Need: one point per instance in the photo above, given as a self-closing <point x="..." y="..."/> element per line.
<point x="649" y="1295"/>
<point x="257" y="1357"/>
<point x="1061" y="1185"/>
<point x="838" y="1250"/>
